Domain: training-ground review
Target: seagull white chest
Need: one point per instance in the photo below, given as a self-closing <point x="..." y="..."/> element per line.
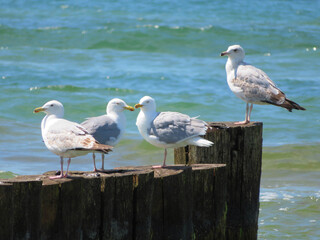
<point x="143" y="123"/>
<point x="46" y="123"/>
<point x="231" y="70"/>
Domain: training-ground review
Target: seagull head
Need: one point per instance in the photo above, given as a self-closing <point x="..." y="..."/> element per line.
<point x="146" y="104"/>
<point x="235" y="53"/>
<point x="117" y="105"/>
<point x="53" y="107"/>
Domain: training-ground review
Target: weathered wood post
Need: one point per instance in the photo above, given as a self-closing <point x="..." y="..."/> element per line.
<point x="174" y="202"/>
<point x="178" y="202"/>
<point x="50" y="227"/>
<point x="209" y="201"/>
<point x="26" y="210"/>
<point x="126" y="204"/>
<point x="240" y="148"/>
<point x="6" y="220"/>
<point x="189" y="202"/>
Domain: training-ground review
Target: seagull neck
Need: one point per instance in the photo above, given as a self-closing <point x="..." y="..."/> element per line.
<point x="117" y="116"/>
<point x="46" y="119"/>
<point x="144" y="121"/>
<point x="150" y="115"/>
<point x="233" y="63"/>
<point x="53" y="116"/>
<point x="232" y="68"/>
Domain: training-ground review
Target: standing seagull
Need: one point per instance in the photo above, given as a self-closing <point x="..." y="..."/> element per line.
<point x="253" y="85"/>
<point x="169" y="129"/>
<point x="109" y="128"/>
<point x="64" y="138"/>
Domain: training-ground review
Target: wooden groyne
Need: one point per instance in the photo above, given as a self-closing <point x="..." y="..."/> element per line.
<point x="133" y="203"/>
<point x="216" y="196"/>
<point x="240" y="148"/>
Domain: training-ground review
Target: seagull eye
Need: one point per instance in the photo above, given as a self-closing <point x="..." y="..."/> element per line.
<point x="51" y="105"/>
<point x="235" y="50"/>
<point x="147" y="101"/>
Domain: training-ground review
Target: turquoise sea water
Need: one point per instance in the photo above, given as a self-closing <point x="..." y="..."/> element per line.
<point x="84" y="53"/>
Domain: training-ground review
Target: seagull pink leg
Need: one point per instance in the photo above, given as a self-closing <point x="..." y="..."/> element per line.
<point x="102" y="164"/>
<point x="246" y="120"/>
<point x="61" y="174"/>
<point x="94" y="162"/>
<point x="251" y="106"/>
<point x="69" y="161"/>
<point x="102" y="158"/>
<point x="164" y="160"/>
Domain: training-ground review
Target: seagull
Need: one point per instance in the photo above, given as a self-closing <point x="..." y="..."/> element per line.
<point x="108" y="128"/>
<point x="65" y="138"/>
<point x="169" y="129"/>
<point x="252" y="85"/>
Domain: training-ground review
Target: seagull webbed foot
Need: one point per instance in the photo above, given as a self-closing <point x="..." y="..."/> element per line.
<point x="159" y="166"/>
<point x="241" y="122"/>
<point x="58" y="177"/>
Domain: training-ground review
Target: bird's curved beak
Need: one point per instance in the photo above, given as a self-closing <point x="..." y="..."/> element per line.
<point x="39" y="109"/>
<point x="129" y="108"/>
<point x="138" y="105"/>
<point x="223" y="53"/>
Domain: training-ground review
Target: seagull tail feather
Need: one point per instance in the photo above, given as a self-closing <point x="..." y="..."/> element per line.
<point x="200" y="142"/>
<point x="98" y="147"/>
<point x="289" y="105"/>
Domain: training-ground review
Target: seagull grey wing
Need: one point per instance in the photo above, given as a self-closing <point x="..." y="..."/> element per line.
<point x="173" y="127"/>
<point x="256" y="74"/>
<point x="257" y="86"/>
<point x="103" y="129"/>
<point x="64" y="135"/>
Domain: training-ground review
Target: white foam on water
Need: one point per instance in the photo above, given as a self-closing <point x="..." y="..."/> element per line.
<point x="268" y="196"/>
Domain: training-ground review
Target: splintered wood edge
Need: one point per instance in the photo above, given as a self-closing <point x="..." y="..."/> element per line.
<point x="224" y="125"/>
<point x="117" y="172"/>
<point x="205" y="166"/>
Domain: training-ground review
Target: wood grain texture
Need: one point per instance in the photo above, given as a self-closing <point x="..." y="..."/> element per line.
<point x="126" y="203"/>
<point x="240" y="148"/>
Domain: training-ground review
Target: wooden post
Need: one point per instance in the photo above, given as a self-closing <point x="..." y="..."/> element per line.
<point x="26" y="208"/>
<point x="175" y="203"/>
<point x="50" y="213"/>
<point x="128" y="203"/>
<point x="143" y="183"/>
<point x="91" y="205"/>
<point x="6" y="221"/>
<point x="71" y="214"/>
<point x="126" y="198"/>
<point x="209" y="201"/>
<point x="70" y="207"/>
<point x="118" y="206"/>
<point x="240" y="148"/>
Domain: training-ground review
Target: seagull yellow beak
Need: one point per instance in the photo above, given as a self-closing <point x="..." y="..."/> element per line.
<point x="129" y="108"/>
<point x="138" y="105"/>
<point x="39" y="109"/>
<point x="223" y="53"/>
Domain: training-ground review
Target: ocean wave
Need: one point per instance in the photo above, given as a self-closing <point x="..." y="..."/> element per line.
<point x="49" y="28"/>
<point x="177" y="27"/>
<point x="292" y="156"/>
<point x="71" y="88"/>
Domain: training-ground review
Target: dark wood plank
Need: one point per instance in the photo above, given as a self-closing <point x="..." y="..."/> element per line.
<point x="6" y="202"/>
<point x="240" y="148"/>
